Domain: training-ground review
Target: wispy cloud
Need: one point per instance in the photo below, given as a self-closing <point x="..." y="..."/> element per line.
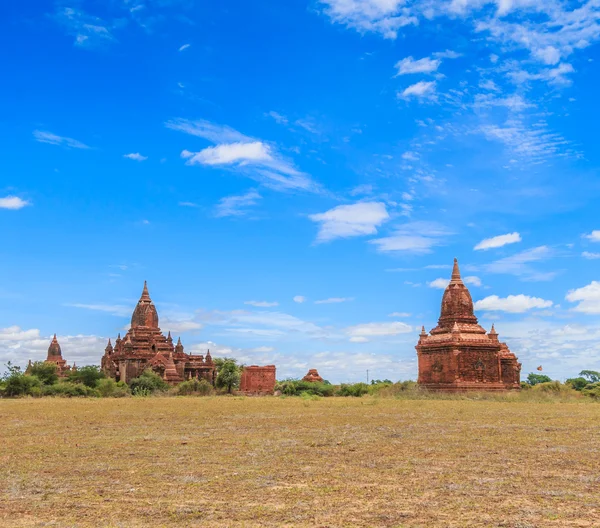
<point x="88" y="30"/>
<point x="344" y="221"/>
<point x="414" y="237"/>
<point x="118" y="310"/>
<point x="594" y="236"/>
<point x="237" y="205"/>
<point x="335" y="300"/>
<point x="299" y="299"/>
<point x="184" y="47"/>
<point x="420" y="90"/>
<point x="363" y="333"/>
<point x="13" y="203"/>
<point x="53" y="139"/>
<point x="409" y="65"/>
<point x="252" y="157"/>
<point x="520" y="264"/>
<point x="278" y="118"/>
<point x="262" y="304"/>
<point x="498" y="241"/>
<point x="136" y="156"/>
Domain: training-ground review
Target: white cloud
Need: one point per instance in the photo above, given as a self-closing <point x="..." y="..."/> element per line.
<point x="588" y="298"/>
<point x="548" y="55"/>
<point x="420" y="90"/>
<point x="237" y="205"/>
<point x="399" y="314"/>
<point x="414" y="237"/>
<point x="512" y="304"/>
<point x="409" y="156"/>
<point x="53" y="139"/>
<point x="188" y="204"/>
<point x="136" y="156"/>
<point x="175" y="326"/>
<point x="230" y="153"/>
<point x="299" y="299"/>
<point x="594" y="236"/>
<point x="343" y="221"/>
<point x="380" y="16"/>
<point x="519" y="264"/>
<point x="591" y="256"/>
<point x="252" y="157"/>
<point x="334" y="300"/>
<point x="439" y="283"/>
<point x="279" y="118"/>
<point x="472" y="280"/>
<point x="361" y="333"/>
<point x="409" y="65"/>
<point x="498" y="241"/>
<point x="89" y="31"/>
<point x="184" y="47"/>
<point x="262" y="304"/>
<point x="13" y="202"/>
<point x="118" y="310"/>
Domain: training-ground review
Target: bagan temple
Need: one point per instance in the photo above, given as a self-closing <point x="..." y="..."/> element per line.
<point x="458" y="354"/>
<point x="146" y="347"/>
<point x="55" y="356"/>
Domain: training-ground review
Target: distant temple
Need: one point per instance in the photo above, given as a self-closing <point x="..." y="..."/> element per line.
<point x="146" y="347"/>
<point x="458" y="354"/>
<point x="55" y="356"/>
<point x="312" y="376"/>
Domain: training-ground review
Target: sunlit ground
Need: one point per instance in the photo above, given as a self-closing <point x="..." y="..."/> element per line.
<point x="289" y="462"/>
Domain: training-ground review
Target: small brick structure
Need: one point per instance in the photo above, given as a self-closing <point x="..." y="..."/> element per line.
<point x="258" y="381"/>
<point x="312" y="376"/>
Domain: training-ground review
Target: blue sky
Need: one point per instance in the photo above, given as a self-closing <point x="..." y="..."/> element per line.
<point x="294" y="178"/>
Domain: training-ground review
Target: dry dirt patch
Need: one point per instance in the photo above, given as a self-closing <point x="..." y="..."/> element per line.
<point x="249" y="462"/>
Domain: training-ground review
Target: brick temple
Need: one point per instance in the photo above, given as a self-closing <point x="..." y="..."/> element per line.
<point x="258" y="380"/>
<point x="146" y="347"/>
<point x="312" y="376"/>
<point x="55" y="356"/>
<point x="458" y="354"/>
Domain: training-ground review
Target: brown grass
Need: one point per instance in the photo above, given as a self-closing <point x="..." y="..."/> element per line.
<point x="247" y="462"/>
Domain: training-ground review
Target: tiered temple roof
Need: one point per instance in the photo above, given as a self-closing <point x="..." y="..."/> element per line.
<point x="458" y="354"/>
<point x="145" y="346"/>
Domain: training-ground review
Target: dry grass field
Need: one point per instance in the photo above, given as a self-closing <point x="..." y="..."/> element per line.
<point x="248" y="462"/>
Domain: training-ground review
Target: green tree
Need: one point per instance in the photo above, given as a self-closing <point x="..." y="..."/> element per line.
<point x="16" y="383"/>
<point x="88" y="375"/>
<point x="228" y="374"/>
<point x="591" y="375"/>
<point x="45" y="372"/>
<point x="534" y="379"/>
<point x="578" y="383"/>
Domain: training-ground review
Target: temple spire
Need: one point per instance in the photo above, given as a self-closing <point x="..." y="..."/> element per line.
<point x="145" y="295"/>
<point x="456" y="272"/>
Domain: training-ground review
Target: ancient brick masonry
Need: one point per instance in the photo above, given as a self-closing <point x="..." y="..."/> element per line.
<point x="258" y="380"/>
<point x="458" y="354"/>
<point x="312" y="376"/>
<point x="55" y="356"/>
<point x="145" y="346"/>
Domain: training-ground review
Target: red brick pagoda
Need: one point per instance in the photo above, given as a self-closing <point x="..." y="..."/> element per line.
<point x="146" y="347"/>
<point x="258" y="380"/>
<point x="458" y="354"/>
<point x="312" y="376"/>
<point x="55" y="356"/>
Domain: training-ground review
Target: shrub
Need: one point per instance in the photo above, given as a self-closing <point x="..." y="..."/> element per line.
<point x="16" y="383"/>
<point x="299" y="388"/>
<point x="357" y="390"/>
<point x="592" y="390"/>
<point x="194" y="386"/>
<point x="45" y="372"/>
<point x="578" y="383"/>
<point x="534" y="379"/>
<point x="394" y="390"/>
<point x="109" y="388"/>
<point x="88" y="375"/>
<point x="69" y="390"/>
<point x="148" y="383"/>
